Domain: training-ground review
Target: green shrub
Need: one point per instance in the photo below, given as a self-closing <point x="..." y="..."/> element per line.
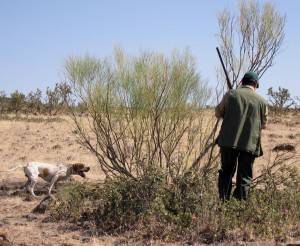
<point x="147" y="111"/>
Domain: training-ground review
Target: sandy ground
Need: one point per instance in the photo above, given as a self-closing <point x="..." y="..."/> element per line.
<point x="55" y="142"/>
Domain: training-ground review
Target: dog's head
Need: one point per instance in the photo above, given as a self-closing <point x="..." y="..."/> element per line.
<point x="79" y="169"/>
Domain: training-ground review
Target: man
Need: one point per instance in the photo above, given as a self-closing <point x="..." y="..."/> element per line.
<point x="244" y="114"/>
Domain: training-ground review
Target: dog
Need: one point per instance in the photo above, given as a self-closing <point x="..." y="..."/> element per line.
<point x="50" y="173"/>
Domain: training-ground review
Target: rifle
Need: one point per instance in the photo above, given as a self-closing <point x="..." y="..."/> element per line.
<point x="229" y="85"/>
<point x="213" y="132"/>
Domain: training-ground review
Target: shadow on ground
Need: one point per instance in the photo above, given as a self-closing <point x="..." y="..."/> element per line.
<point x="17" y="188"/>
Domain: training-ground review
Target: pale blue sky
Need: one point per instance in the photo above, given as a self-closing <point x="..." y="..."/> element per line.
<point x="38" y="35"/>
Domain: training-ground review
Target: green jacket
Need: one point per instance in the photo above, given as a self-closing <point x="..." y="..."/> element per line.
<point x="244" y="114"/>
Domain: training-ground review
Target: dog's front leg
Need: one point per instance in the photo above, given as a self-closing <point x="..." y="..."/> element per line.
<point x="30" y="186"/>
<point x="53" y="181"/>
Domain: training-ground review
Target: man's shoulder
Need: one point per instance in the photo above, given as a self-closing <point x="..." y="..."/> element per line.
<point x="249" y="93"/>
<point x="261" y="99"/>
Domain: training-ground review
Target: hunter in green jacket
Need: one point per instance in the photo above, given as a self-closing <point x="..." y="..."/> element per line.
<point x="244" y="115"/>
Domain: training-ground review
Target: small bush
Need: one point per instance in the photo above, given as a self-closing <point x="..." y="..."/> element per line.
<point x="281" y="100"/>
<point x="17" y="101"/>
<point x="147" y="111"/>
<point x="34" y="101"/>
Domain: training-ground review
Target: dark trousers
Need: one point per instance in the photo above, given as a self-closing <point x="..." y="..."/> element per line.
<point x="232" y="159"/>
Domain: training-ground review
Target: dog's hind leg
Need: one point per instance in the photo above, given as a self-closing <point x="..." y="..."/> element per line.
<point x="53" y="181"/>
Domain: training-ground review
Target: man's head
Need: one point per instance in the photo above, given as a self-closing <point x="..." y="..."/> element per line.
<point x="250" y="78"/>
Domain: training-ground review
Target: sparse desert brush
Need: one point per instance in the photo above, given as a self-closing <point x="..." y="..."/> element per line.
<point x="188" y="209"/>
<point x="144" y="112"/>
<point x="280" y="101"/>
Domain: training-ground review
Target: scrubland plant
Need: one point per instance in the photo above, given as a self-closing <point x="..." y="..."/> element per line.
<point x="56" y="101"/>
<point x="145" y="113"/>
<point x="17" y="101"/>
<point x="281" y="100"/>
<point x="57" y="98"/>
<point x="34" y="101"/>
<point x="251" y="38"/>
<point x="3" y="102"/>
<point x="280" y="170"/>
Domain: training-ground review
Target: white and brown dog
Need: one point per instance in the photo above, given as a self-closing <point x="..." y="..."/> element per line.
<point x="50" y="173"/>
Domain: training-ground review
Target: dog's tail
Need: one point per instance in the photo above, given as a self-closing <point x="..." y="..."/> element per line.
<point x="12" y="169"/>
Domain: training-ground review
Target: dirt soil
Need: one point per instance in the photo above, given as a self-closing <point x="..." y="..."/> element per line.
<point x="55" y="142"/>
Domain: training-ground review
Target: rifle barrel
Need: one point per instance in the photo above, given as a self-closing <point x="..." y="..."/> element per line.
<point x="224" y="69"/>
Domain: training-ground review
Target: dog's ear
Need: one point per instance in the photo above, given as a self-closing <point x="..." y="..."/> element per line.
<point x="77" y="166"/>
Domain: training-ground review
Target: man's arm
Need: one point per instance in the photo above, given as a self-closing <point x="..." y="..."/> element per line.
<point x="220" y="109"/>
<point x="265" y="118"/>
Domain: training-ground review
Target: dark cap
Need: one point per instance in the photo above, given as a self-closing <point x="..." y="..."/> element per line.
<point x="251" y="76"/>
